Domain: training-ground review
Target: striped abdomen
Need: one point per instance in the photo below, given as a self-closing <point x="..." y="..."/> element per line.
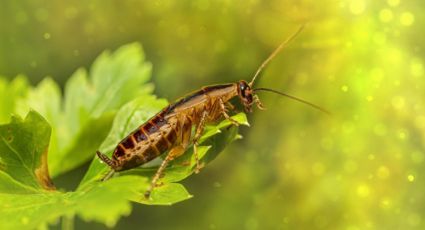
<point x="146" y="142"/>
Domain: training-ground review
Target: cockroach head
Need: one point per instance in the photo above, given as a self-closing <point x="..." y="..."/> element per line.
<point x="246" y="95"/>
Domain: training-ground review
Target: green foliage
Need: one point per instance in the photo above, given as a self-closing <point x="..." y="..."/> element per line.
<point x="96" y="112"/>
<point x="24" y="146"/>
<point x="10" y="92"/>
<point x="83" y="116"/>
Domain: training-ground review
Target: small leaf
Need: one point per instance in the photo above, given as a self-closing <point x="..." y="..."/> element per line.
<point x="23" y="154"/>
<point x="88" y="106"/>
<point x="166" y="194"/>
<point x="107" y="201"/>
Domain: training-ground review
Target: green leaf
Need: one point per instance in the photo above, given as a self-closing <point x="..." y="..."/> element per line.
<point x="10" y="93"/>
<point x="166" y="194"/>
<point x="27" y="197"/>
<point x="103" y="202"/>
<point x="82" y="117"/>
<point x="23" y="155"/>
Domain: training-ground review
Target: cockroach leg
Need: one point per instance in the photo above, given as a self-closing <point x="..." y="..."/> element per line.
<point x="198" y="134"/>
<point x="174" y="153"/>
<point x="184" y="163"/>
<point x="231" y="107"/>
<point x="105" y="159"/>
<point x="109" y="162"/>
<point x="223" y="111"/>
<point x="108" y="175"/>
<point x="258" y="103"/>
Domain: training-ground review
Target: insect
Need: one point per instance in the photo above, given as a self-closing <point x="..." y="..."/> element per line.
<point x="171" y="129"/>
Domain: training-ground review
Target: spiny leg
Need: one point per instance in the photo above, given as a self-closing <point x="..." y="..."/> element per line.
<point x="108" y="175"/>
<point x="184" y="139"/>
<point x="258" y="103"/>
<point x="174" y="153"/>
<point x="109" y="162"/>
<point x="224" y="112"/>
<point x="229" y="105"/>
<point x="198" y="134"/>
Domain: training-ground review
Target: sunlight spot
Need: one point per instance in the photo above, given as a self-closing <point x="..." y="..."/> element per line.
<point x="385" y="203"/>
<point x="386" y="15"/>
<point x="410" y="178"/>
<point x="348" y="44"/>
<point x="344" y="88"/>
<point x="393" y="3"/>
<point x="357" y="6"/>
<point x="369" y="98"/>
<point x="399" y="155"/>
<point x="394" y="55"/>
<point x="407" y="18"/>
<point x="46" y="36"/>
<point x="383" y="172"/>
<point x="403" y="135"/>
<point x="25" y="220"/>
<point x="363" y="190"/>
<point x="371" y="157"/>
<point x="380" y="129"/>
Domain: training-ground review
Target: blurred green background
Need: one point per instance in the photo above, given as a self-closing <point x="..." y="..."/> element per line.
<point x="296" y="168"/>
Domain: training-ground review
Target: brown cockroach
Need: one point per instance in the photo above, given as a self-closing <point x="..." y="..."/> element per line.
<point x="171" y="129"/>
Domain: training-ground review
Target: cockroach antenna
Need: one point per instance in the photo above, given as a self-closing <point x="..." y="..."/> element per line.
<point x="293" y="98"/>
<point x="275" y="52"/>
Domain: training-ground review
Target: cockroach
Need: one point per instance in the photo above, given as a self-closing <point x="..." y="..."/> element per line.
<point x="170" y="130"/>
